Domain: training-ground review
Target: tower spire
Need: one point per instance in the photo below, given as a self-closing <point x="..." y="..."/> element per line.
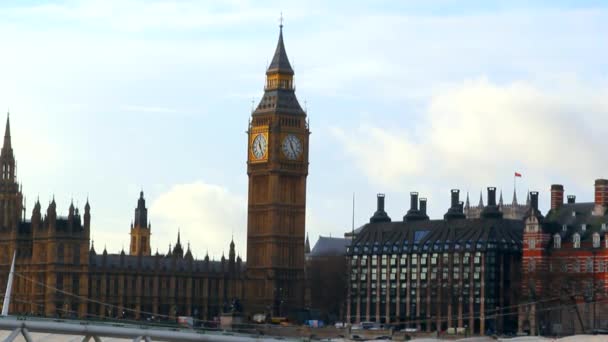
<point x="280" y="62"/>
<point x="7" y="133"/>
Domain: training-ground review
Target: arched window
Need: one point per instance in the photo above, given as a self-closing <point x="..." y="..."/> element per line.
<point x="576" y="240"/>
<point x="596" y="240"/>
<point x="557" y="241"/>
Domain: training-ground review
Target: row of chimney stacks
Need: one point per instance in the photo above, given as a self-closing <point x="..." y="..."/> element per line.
<point x="454" y="212"/>
<point x="601" y="195"/>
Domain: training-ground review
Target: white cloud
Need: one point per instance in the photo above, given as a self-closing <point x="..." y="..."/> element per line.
<point x="207" y="216"/>
<point x="477" y="131"/>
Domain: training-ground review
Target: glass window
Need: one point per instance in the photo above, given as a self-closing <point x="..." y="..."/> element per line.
<point x="576" y="240"/>
<point x="557" y="241"/>
<point x="596" y="240"/>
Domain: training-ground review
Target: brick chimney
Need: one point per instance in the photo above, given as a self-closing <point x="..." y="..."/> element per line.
<point x="601" y="192"/>
<point x="557" y="196"/>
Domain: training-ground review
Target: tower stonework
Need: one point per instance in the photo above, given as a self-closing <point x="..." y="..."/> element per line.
<point x="277" y="166"/>
<point x="140" y="229"/>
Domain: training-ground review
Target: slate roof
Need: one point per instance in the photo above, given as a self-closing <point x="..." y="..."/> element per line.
<point x="329" y="246"/>
<point x="149" y="263"/>
<point x="583" y="214"/>
<point x="431" y="236"/>
<point x="280" y="62"/>
<point x="279" y="100"/>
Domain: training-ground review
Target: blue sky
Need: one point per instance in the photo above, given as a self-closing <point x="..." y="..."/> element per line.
<point x="108" y="97"/>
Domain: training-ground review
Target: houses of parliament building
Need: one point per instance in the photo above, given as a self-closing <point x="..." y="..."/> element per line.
<point x="58" y="271"/>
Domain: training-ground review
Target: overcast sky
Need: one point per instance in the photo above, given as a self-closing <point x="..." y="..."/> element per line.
<point x="109" y="97"/>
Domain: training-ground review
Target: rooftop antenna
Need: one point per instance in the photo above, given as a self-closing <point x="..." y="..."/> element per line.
<point x="353" y="218"/>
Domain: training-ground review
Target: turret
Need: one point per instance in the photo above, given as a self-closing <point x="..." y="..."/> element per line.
<point x="87" y="216"/>
<point x="178" y="251"/>
<point x="7" y="159"/>
<point x="51" y="214"/>
<point x="232" y="253"/>
<point x="36" y="216"/>
<point x="140" y="229"/>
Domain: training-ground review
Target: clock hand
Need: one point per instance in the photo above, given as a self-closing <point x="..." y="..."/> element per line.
<point x="293" y="149"/>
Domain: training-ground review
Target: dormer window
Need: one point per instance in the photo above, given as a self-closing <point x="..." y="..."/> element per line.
<point x="576" y="240"/>
<point x="584" y="227"/>
<point x="564" y="228"/>
<point x="557" y="241"/>
<point x="596" y="240"/>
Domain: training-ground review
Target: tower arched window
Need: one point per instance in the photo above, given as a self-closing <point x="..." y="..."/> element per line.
<point x="576" y="240"/>
<point x="557" y="241"/>
<point x="596" y="240"/>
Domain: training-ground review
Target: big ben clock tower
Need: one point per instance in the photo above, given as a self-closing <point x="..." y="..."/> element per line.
<point x="277" y="166"/>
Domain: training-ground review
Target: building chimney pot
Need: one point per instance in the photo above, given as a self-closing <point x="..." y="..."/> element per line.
<point x="423" y="206"/>
<point x="534" y="200"/>
<point x="380" y="202"/>
<point x="413" y="201"/>
<point x="557" y="196"/>
<point x="491" y="196"/>
<point x="571" y="199"/>
<point x="455" y="198"/>
<point x="601" y="192"/>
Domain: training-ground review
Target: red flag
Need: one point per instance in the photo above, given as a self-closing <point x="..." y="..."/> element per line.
<point x="517" y="174"/>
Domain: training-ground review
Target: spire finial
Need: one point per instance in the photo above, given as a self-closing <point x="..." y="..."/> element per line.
<point x="281" y="21"/>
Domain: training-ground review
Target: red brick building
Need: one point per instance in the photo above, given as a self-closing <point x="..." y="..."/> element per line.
<point x="565" y="266"/>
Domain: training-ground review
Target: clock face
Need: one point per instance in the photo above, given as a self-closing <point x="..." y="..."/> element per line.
<point x="292" y="147"/>
<point x="259" y="146"/>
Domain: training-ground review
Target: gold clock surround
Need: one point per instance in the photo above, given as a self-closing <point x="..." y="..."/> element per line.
<point x="254" y="132"/>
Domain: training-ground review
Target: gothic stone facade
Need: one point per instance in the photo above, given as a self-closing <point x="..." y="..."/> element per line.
<point x="57" y="269"/>
<point x="58" y="274"/>
<point x="455" y="272"/>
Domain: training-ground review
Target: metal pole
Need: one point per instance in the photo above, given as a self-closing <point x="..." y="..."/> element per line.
<point x="9" y="287"/>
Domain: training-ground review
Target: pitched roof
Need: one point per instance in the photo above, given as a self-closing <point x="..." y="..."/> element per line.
<point x="280" y="62"/>
<point x="573" y="216"/>
<point x="440" y="235"/>
<point x="329" y="246"/>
